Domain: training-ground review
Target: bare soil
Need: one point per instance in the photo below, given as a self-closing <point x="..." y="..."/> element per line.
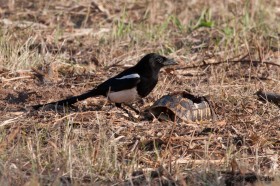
<point x="53" y="50"/>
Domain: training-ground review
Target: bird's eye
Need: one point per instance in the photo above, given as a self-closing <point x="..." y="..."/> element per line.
<point x="159" y="60"/>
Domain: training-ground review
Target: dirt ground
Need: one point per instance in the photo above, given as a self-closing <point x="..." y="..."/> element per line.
<point x="51" y="50"/>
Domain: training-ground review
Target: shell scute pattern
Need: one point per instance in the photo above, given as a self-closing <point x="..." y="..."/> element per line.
<point x="182" y="106"/>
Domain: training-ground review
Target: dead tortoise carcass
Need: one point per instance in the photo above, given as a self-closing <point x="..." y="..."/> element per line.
<point x="182" y="106"/>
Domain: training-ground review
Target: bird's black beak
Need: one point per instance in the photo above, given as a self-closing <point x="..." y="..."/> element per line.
<point x="169" y="62"/>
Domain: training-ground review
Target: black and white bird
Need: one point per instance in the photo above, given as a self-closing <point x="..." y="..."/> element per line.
<point x="128" y="86"/>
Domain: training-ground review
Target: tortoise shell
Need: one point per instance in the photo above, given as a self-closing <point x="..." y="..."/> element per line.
<point x="182" y="106"/>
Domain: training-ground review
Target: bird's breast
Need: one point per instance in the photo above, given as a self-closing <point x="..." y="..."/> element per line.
<point x="146" y="86"/>
<point x="124" y="96"/>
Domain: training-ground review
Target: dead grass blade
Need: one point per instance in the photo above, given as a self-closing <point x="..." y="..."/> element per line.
<point x="6" y="142"/>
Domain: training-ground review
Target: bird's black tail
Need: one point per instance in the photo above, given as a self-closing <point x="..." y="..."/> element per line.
<point x="72" y="100"/>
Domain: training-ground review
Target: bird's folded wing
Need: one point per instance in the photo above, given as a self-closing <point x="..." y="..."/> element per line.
<point x="120" y="82"/>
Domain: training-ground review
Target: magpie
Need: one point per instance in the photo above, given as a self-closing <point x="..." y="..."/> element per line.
<point x="133" y="83"/>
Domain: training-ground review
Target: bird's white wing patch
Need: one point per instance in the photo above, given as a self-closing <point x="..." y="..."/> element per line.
<point x="130" y="76"/>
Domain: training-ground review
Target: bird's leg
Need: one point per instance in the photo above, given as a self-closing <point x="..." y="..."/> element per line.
<point x="142" y="102"/>
<point x="119" y="105"/>
<point x="137" y="111"/>
<point x="129" y="114"/>
<point x="134" y="109"/>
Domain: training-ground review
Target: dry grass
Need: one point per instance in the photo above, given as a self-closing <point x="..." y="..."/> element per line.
<point x="226" y="49"/>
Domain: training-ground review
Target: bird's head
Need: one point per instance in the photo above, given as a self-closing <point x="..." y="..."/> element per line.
<point x="156" y="61"/>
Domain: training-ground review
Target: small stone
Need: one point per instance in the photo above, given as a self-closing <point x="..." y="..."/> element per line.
<point x="159" y="134"/>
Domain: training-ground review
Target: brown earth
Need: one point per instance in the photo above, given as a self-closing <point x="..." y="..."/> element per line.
<point x="53" y="50"/>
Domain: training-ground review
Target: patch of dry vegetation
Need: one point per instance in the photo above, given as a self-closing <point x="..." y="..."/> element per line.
<point x="226" y="49"/>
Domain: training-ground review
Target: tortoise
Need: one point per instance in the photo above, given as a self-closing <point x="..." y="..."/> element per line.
<point x="183" y="106"/>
